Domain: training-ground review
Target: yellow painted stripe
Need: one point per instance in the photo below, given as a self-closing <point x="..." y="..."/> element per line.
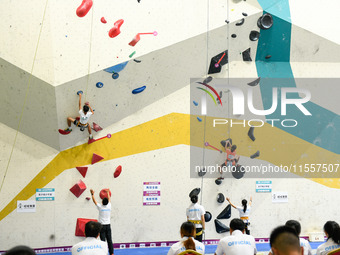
<point x="276" y="146"/>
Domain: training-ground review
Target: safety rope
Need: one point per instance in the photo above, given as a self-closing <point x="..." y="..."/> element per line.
<point x="90" y="52"/>
<point x="25" y="100"/>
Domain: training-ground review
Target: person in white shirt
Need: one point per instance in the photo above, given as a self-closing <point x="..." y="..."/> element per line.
<point x="105" y="219"/>
<point x="85" y="113"/>
<point x="91" y="245"/>
<point x="237" y="243"/>
<point x="195" y="214"/>
<point x="244" y="212"/>
<point x="187" y="242"/>
<point x="307" y="249"/>
<point x="332" y="231"/>
<point x="285" y="241"/>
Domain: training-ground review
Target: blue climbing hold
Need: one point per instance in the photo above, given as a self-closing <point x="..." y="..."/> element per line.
<point x="99" y="84"/>
<point x="199" y="119"/>
<point x="115" y="76"/>
<point x="138" y="90"/>
<point x="116" y="68"/>
<point x="79" y="92"/>
<point x="195" y="103"/>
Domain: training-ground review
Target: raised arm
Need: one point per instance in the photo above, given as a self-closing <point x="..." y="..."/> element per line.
<point x="108" y="195"/>
<point x="80" y="101"/>
<point x="93" y="199"/>
<point x="227" y="144"/>
<point x="231" y="203"/>
<point x="90" y="108"/>
<point x="251" y="200"/>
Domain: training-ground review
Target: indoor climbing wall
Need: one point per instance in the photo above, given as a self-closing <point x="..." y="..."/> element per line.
<point x="143" y="100"/>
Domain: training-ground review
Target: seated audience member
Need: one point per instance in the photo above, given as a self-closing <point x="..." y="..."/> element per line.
<point x="285" y="241"/>
<point x="332" y="231"/>
<point x="237" y="243"/>
<point x="20" y="250"/>
<point x="188" y="232"/>
<point x="307" y="250"/>
<point x="91" y="245"/>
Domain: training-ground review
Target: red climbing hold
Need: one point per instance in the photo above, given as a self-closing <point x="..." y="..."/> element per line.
<point x="117" y="172"/>
<point x="82" y="170"/>
<point x="84" y="8"/>
<point x="116" y="28"/>
<point x="103" y="193"/>
<point x="103" y="20"/>
<point x="64" y="132"/>
<point x="78" y="188"/>
<point x="80" y="227"/>
<point x="96" y="127"/>
<point x="96" y="158"/>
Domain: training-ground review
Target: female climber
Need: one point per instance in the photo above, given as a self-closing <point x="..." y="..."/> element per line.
<point x="244" y="211"/>
<point x="85" y="113"/>
<point x="195" y="214"/>
<point x="187" y="242"/>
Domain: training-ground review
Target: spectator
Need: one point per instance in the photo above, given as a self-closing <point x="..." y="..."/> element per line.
<point x="20" y="250"/>
<point x="187" y="242"/>
<point x="237" y="243"/>
<point x="307" y="249"/>
<point x="91" y="245"/>
<point x="332" y="231"/>
<point x="285" y="241"/>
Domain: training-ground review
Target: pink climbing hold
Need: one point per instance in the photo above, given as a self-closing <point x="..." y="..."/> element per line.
<point x="78" y="188"/>
<point x="116" y="28"/>
<point x="103" y="20"/>
<point x="103" y="193"/>
<point x="96" y="158"/>
<point x="82" y="170"/>
<point x="84" y="8"/>
<point x="136" y="39"/>
<point x="96" y="127"/>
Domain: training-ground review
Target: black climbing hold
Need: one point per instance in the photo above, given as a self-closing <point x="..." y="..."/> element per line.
<point x="223" y="142"/>
<point x="246" y="55"/>
<point x="244" y="14"/>
<point x="220" y="227"/>
<point x="137" y="61"/>
<point x="268" y="56"/>
<point x="208" y="79"/>
<point x="254" y="83"/>
<point x="218" y="181"/>
<point x="240" y="23"/>
<point x="255" y="155"/>
<point x="251" y="133"/>
<point x="202" y="172"/>
<point x="220" y="198"/>
<point x="226" y="213"/>
<point x="265" y="21"/>
<point x="195" y="192"/>
<point x="233" y="35"/>
<point x="207" y="216"/>
<point x="220" y="59"/>
<point x="227" y="21"/>
<point x="254" y="35"/>
<point x="238" y="172"/>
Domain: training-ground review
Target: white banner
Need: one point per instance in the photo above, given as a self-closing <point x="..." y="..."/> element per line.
<point x="26" y="206"/>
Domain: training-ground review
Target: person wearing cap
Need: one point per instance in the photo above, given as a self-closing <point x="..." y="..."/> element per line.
<point x="244" y="212"/>
<point x="91" y="245"/>
<point x="237" y="243"/>
<point x="195" y="214"/>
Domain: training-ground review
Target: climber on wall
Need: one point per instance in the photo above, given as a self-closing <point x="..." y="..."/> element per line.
<point x="85" y="113"/>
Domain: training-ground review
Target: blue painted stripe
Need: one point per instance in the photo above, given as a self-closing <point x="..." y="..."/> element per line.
<point x="323" y="127"/>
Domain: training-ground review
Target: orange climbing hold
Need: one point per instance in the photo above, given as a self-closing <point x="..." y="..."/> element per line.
<point x="117" y="172"/>
<point x="82" y="170"/>
<point x="96" y="158"/>
<point x="78" y="188"/>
